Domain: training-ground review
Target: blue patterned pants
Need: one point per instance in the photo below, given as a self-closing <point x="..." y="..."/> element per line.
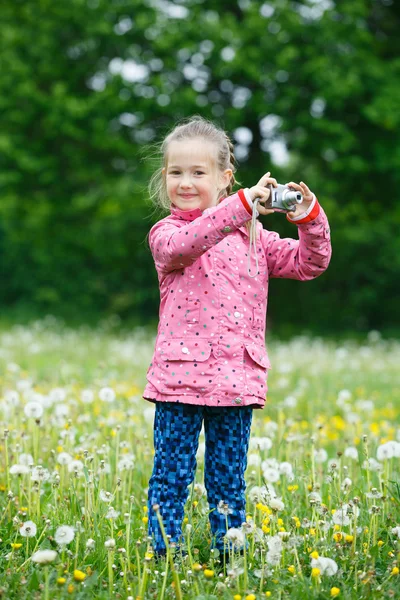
<point x="176" y="435"/>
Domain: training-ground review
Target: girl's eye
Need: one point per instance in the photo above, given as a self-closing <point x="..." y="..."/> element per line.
<point x="199" y="173"/>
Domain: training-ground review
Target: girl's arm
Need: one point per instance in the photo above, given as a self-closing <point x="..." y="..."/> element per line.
<point x="302" y="259"/>
<point x="175" y="246"/>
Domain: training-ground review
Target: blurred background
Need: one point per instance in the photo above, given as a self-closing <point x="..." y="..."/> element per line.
<point x="307" y="89"/>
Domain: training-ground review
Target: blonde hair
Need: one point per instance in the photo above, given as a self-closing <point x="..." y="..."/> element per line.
<point x="193" y="127"/>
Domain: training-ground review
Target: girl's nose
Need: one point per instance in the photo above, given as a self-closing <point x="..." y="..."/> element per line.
<point x="186" y="181"/>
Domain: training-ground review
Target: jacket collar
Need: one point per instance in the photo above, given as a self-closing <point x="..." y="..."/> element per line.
<point x="185" y="215"/>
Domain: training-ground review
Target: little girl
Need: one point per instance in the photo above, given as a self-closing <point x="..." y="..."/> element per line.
<point x="210" y="362"/>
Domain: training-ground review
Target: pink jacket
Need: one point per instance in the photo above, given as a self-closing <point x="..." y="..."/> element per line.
<point x="210" y="345"/>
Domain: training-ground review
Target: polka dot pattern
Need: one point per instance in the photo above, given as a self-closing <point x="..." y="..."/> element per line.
<point x="210" y="346"/>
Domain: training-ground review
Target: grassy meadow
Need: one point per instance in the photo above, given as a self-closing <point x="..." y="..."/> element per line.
<point x="323" y="495"/>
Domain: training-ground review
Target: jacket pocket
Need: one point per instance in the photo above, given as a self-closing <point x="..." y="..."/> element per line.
<point x="256" y="364"/>
<point x="183" y="367"/>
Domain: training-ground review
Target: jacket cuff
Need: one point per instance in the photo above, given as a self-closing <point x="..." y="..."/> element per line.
<point x="245" y="202"/>
<point x="309" y="215"/>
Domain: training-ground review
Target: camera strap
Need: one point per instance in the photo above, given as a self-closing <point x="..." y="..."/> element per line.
<point x="253" y="240"/>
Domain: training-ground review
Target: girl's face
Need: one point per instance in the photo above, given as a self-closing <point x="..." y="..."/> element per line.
<point x="192" y="176"/>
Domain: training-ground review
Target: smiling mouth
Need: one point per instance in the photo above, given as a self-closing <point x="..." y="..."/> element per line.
<point x="188" y="195"/>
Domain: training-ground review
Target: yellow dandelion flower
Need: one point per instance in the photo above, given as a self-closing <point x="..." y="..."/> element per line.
<point x="145" y="520"/>
<point x="89" y="571"/>
<point x="266" y="529"/>
<point x="380" y="543"/>
<point x="197" y="567"/>
<point x="338" y="537"/>
<point x="60" y="448"/>
<point x="280" y="522"/>
<point x="61" y="580"/>
<point x="335" y="592"/>
<point x="309" y="487"/>
<point x="237" y="597"/>
<point x="145" y="509"/>
<point x="268" y="594"/>
<point x="16" y="546"/>
<point x="185" y="520"/>
<point x="70" y="589"/>
<point x="314" y="554"/>
<point x="336" y="527"/>
<point x="395" y="571"/>
<point x="209" y="573"/>
<point x="291" y="569"/>
<point x="312" y="531"/>
<point x="315" y="572"/>
<point x="79" y="575"/>
<point x="349" y="538"/>
<point x="149" y="555"/>
<point x="250" y="597"/>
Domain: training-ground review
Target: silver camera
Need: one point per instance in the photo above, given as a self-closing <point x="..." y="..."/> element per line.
<point x="282" y="198"/>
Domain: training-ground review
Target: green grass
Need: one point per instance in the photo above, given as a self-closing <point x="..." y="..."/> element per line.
<point x="323" y="396"/>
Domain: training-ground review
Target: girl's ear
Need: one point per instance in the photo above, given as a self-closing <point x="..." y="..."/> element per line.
<point x="226" y="177"/>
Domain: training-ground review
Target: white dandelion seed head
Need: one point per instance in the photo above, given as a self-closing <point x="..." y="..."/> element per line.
<point x="327" y="566"/>
<point x="372" y="465"/>
<point x="235" y="536"/>
<point x="90" y="544"/>
<point x="388" y="450"/>
<point x="87" y="396"/>
<point x="223" y="508"/>
<point x="346" y="484"/>
<point x="57" y="395"/>
<point x="396" y="531"/>
<point x="28" y="529"/>
<point x="270" y="428"/>
<point x="12" y="397"/>
<point x="126" y="463"/>
<point x="112" y="513"/>
<point x="271" y="475"/>
<point x="64" y="535"/>
<point x="340" y="517"/>
<point x="351" y="452"/>
<point x="276" y="504"/>
<point x="19" y="469"/>
<point x="110" y="543"/>
<point x="285" y="468"/>
<point x="107" y="394"/>
<point x="62" y="411"/>
<point x="44" y="556"/>
<point x="64" y="458"/>
<point x="321" y="455"/>
<point x="254" y="460"/>
<point x="76" y="465"/>
<point x="199" y="489"/>
<point x="105" y="496"/>
<point x="33" y="410"/>
<point x="25" y="459"/>
<point x="40" y="474"/>
<point x="260" y="443"/>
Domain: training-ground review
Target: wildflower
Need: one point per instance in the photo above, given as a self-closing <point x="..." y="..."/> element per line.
<point x="335" y="592"/>
<point x="105" y="496"/>
<point x="28" y="529"/>
<point x="61" y="580"/>
<point x="25" y="459"/>
<point x="33" y="410"/>
<point x="64" y="535"/>
<point x="110" y="543"/>
<point x="44" y="556"/>
<point x="223" y="508"/>
<point x="327" y="566"/>
<point x="87" y="396"/>
<point x="107" y="394"/>
<point x="349" y="539"/>
<point x="396" y="531"/>
<point x="340" y="516"/>
<point x="16" y="546"/>
<point x="40" y="474"/>
<point x="250" y="597"/>
<point x="320" y="455"/>
<point x="237" y="597"/>
<point x="79" y="575"/>
<point x="90" y="544"/>
<point x="70" y="589"/>
<point x="314" y="554"/>
<point x="197" y="567"/>
<point x="271" y="475"/>
<point x="346" y="483"/>
<point x="285" y="468"/>
<point x="126" y="463"/>
<point x="268" y="594"/>
<point x="19" y="469"/>
<point x="352" y="453"/>
<point x="315" y="572"/>
<point x="208" y="573"/>
<point x="112" y="513"/>
<point x="64" y="458"/>
<point x="276" y="504"/>
<point x="395" y="571"/>
<point x="388" y="450"/>
<point x="235" y="537"/>
<point x="260" y="443"/>
<point x="292" y="569"/>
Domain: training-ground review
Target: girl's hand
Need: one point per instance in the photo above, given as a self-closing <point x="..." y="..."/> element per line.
<point x="262" y="193"/>
<point x="307" y="198"/>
